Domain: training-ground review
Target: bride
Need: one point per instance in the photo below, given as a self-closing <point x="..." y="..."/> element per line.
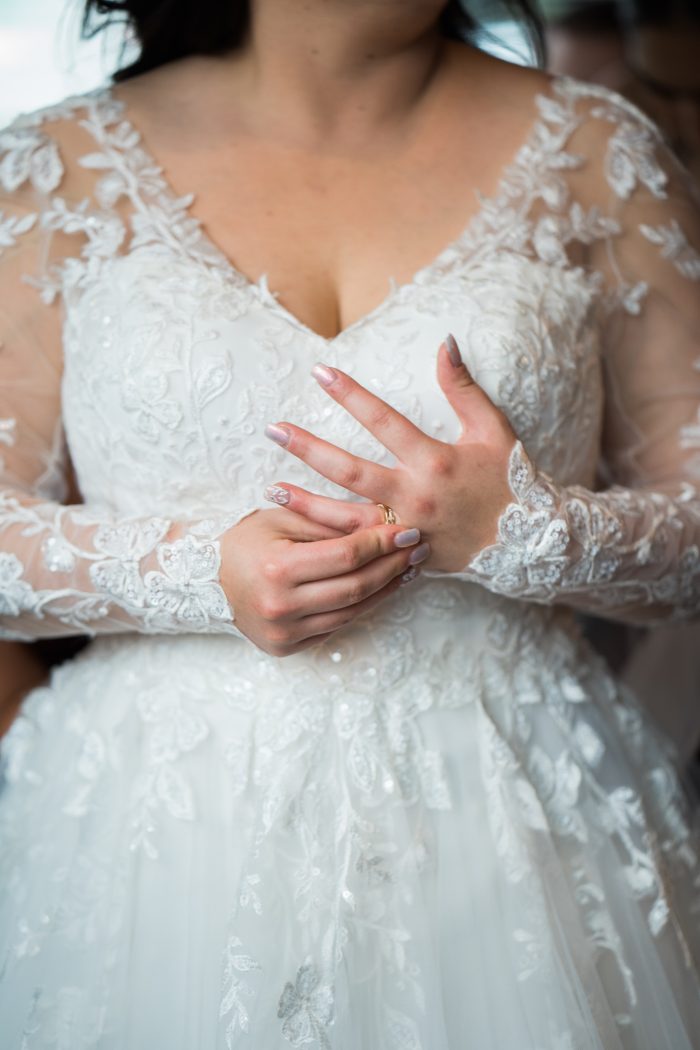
<point x="375" y="359"/>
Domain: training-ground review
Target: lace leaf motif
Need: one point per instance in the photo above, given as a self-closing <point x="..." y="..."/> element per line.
<point x="560" y="543"/>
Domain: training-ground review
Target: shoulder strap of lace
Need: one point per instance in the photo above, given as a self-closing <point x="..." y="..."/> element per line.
<point x="28" y="154"/>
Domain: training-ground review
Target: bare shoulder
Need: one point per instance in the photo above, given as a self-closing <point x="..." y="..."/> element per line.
<point x="490" y="100"/>
<point x="493" y="84"/>
<point x="186" y="95"/>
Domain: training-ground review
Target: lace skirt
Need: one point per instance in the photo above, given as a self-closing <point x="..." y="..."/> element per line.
<point x="444" y="827"/>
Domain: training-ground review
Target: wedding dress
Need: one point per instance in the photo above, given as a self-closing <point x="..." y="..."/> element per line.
<point x="447" y="825"/>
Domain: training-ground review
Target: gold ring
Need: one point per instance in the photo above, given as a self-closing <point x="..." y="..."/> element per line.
<point x="389" y="516"/>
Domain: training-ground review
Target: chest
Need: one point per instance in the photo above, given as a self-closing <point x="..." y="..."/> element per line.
<point x="331" y="227"/>
<point x="172" y="372"/>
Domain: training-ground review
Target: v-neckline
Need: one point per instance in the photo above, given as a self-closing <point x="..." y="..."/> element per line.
<point x="224" y="263"/>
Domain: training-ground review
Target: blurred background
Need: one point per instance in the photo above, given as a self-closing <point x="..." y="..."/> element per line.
<point x="649" y="50"/>
<point x="42" y="58"/>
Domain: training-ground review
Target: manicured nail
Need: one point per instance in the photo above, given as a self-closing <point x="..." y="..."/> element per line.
<point x="276" y="494"/>
<point x="410" y="574"/>
<point x="407" y="537"/>
<point x="324" y="374"/>
<point x="279" y="434"/>
<point x="419" y="554"/>
<point x="453" y="351"/>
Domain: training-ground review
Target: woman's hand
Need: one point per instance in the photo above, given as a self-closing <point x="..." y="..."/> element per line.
<point x="454" y="493"/>
<point x="292" y="582"/>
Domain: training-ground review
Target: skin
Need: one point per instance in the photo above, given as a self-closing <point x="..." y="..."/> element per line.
<point x="22" y="671"/>
<point x="311" y="73"/>
<point x="308" y="146"/>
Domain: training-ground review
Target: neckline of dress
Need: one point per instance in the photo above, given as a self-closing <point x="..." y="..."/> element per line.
<point x="213" y="256"/>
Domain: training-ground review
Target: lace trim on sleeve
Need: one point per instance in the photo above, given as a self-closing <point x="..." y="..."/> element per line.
<point x="603" y="550"/>
<point x="69" y="569"/>
<point x="135" y="578"/>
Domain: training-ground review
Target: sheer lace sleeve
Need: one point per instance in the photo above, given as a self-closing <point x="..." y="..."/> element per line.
<point x="73" y="569"/>
<point x="630" y="551"/>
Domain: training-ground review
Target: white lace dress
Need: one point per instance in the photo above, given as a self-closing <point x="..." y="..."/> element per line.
<point x="447" y="825"/>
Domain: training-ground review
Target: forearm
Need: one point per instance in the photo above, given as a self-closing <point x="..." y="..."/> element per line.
<point x="73" y="570"/>
<point x="625" y="554"/>
<point x="21" y="670"/>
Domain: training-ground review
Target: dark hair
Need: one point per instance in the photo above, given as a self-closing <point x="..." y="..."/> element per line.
<point x="169" y="29"/>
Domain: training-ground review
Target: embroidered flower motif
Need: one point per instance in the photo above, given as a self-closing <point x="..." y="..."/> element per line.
<point x="125" y="543"/>
<point x="306" y="1008"/>
<point x="235" y="988"/>
<point x="12" y="227"/>
<point x="631" y="159"/>
<point x="533" y="538"/>
<point x="187" y="588"/>
<point x="173" y="728"/>
<point x="104" y="235"/>
<point x="147" y="400"/>
<point x="344" y="779"/>
<point x="57" y="554"/>
<point x="674" y="246"/>
<point x="569" y="540"/>
<point x="29" y="156"/>
<point x="15" y="593"/>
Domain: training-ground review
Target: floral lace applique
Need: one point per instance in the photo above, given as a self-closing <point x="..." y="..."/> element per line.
<point x="555" y="544"/>
<point x="185" y="595"/>
<point x="325" y="754"/>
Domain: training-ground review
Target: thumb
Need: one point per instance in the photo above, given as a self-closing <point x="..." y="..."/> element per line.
<point x="457" y="382"/>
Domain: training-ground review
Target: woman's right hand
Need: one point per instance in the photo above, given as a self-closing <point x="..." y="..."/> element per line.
<point x="292" y="582"/>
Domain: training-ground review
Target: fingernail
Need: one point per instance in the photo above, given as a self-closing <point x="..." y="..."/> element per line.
<point x="419" y="554"/>
<point x="324" y="375"/>
<point x="407" y="537"/>
<point x="276" y="494"/>
<point x="279" y="434"/>
<point x="453" y="351"/>
<point x="410" y="574"/>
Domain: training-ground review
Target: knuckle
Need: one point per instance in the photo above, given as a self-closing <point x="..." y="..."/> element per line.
<point x="356" y="592"/>
<point x="439" y="463"/>
<point x="338" y="620"/>
<point x="351" y="555"/>
<point x="350" y="475"/>
<point x="278" y="650"/>
<point x="355" y="521"/>
<point x="384" y="540"/>
<point x="272" y="571"/>
<point x="380" y="417"/>
<point x="278" y="636"/>
<point x="344" y="622"/>
<point x="271" y="608"/>
<point x="425" y="506"/>
<point x="290" y="650"/>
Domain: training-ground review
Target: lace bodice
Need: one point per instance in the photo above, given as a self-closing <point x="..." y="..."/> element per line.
<point x="134" y="349"/>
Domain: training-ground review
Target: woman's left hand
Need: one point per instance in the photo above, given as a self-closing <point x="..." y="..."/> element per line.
<point x="454" y="493"/>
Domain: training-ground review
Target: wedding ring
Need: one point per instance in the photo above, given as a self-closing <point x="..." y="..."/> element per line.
<point x="389" y="516"/>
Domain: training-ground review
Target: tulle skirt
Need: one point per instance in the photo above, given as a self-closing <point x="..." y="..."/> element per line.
<point x="445" y="827"/>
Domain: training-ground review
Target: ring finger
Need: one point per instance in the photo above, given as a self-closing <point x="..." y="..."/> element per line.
<point x="331" y="621"/>
<point x="339" y="592"/>
<point x="345" y="515"/>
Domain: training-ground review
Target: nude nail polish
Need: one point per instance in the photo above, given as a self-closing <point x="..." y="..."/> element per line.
<point x="453" y="351"/>
<point x="419" y="554"/>
<point x="407" y="537"/>
<point x="324" y="374"/>
<point x="278" y="434"/>
<point x="276" y="494"/>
